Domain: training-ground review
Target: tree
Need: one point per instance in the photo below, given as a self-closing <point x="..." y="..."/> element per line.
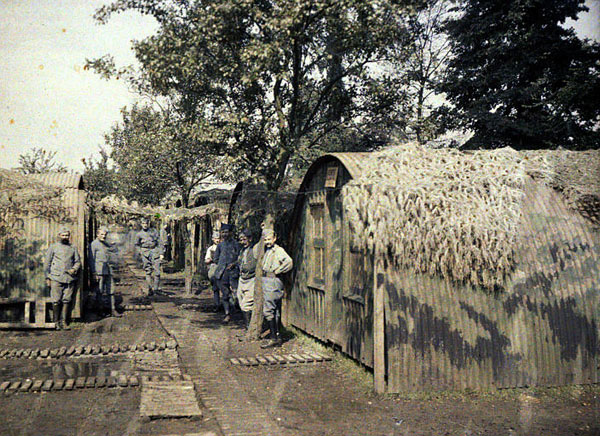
<point x="268" y="85"/>
<point x="101" y="180"/>
<point x="519" y="78"/>
<point x="271" y="81"/>
<point x="38" y="160"/>
<point x="425" y="66"/>
<point x="156" y="153"/>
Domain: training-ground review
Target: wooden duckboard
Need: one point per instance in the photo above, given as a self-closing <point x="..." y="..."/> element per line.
<point x="169" y="399"/>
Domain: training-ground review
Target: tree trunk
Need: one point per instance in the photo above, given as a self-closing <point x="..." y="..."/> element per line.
<point x="188" y="263"/>
<point x="256" y="322"/>
<point x="255" y="327"/>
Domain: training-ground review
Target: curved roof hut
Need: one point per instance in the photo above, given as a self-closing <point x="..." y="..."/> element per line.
<point x="33" y="208"/>
<point x="449" y="270"/>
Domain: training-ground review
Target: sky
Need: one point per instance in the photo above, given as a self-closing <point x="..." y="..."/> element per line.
<point x="48" y="100"/>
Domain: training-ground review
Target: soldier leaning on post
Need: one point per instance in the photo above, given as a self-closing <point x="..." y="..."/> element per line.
<point x="275" y="263"/>
<point x="209" y="260"/>
<point x="247" y="264"/>
<point x="226" y="272"/>
<point x="61" y="266"/>
<point x="101" y="271"/>
<point x="152" y="252"/>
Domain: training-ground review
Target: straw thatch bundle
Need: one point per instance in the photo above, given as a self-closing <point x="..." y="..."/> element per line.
<point x="453" y="213"/>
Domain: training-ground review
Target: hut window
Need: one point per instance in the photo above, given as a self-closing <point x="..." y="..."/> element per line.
<point x="356" y="277"/>
<point x="317" y="245"/>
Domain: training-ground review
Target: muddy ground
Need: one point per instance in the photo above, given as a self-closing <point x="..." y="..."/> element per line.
<point x="331" y="398"/>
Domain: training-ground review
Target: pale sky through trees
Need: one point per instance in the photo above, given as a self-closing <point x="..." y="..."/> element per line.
<point x="48" y="100"/>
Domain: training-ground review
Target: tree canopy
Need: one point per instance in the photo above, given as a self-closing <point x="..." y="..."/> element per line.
<point x="518" y="77"/>
<point x="39" y="160"/>
<point x="155" y="155"/>
<point x="271" y="84"/>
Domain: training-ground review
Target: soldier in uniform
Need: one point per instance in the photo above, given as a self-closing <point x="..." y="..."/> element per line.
<point x="209" y="260"/>
<point x="152" y="252"/>
<point x="226" y="273"/>
<point x="61" y="266"/>
<point x="100" y="252"/>
<point x="274" y="263"/>
<point x="247" y="264"/>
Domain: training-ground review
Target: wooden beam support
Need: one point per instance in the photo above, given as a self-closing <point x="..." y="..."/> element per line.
<point x="379" y="369"/>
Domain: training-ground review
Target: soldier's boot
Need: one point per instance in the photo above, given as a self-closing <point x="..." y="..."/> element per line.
<point x="64" y="313"/>
<point x="247" y="318"/>
<point x="113" y="307"/>
<point x="56" y="316"/>
<point x="275" y="340"/>
<point x="149" y="286"/>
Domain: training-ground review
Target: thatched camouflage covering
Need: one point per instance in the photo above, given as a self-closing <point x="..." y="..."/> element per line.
<point x="456" y="214"/>
<point x="489" y="262"/>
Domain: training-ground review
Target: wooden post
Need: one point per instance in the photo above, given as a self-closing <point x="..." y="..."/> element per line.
<point x="254" y="329"/>
<point x="378" y="326"/>
<point x="187" y="255"/>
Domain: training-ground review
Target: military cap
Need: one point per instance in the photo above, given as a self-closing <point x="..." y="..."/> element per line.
<point x="268" y="232"/>
<point x="226" y="227"/>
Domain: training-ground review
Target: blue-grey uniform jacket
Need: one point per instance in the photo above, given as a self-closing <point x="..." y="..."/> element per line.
<point x="227" y="252"/>
<point x="149" y="240"/>
<point x="61" y="258"/>
<point x="100" y="257"/>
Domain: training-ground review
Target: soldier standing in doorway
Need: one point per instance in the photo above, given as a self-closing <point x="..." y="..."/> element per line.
<point x="152" y="252"/>
<point x="61" y="265"/>
<point x="275" y="263"/>
<point x="226" y="256"/>
<point x="101" y="271"/>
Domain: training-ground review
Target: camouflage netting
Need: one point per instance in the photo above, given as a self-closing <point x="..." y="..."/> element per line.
<point x="121" y="211"/>
<point x="457" y="213"/>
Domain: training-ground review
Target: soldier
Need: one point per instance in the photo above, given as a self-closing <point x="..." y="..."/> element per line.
<point x="101" y="271"/>
<point x="226" y="272"/>
<point x="209" y="260"/>
<point x="247" y="264"/>
<point x="274" y="263"/>
<point x="61" y="266"/>
<point x="152" y="252"/>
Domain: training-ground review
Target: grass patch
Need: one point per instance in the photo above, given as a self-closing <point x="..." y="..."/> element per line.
<point x="563" y="393"/>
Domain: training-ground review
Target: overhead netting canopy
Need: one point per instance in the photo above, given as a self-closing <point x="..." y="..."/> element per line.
<point x="121" y="210"/>
<point x="458" y="213"/>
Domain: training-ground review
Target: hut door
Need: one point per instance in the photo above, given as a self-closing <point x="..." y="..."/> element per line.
<point x="317" y="248"/>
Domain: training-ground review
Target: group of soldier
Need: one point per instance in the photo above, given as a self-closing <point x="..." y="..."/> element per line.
<point x="231" y="269"/>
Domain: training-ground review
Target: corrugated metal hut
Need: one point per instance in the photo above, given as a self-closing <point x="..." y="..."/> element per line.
<point x="34" y="208"/>
<point x="444" y="270"/>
